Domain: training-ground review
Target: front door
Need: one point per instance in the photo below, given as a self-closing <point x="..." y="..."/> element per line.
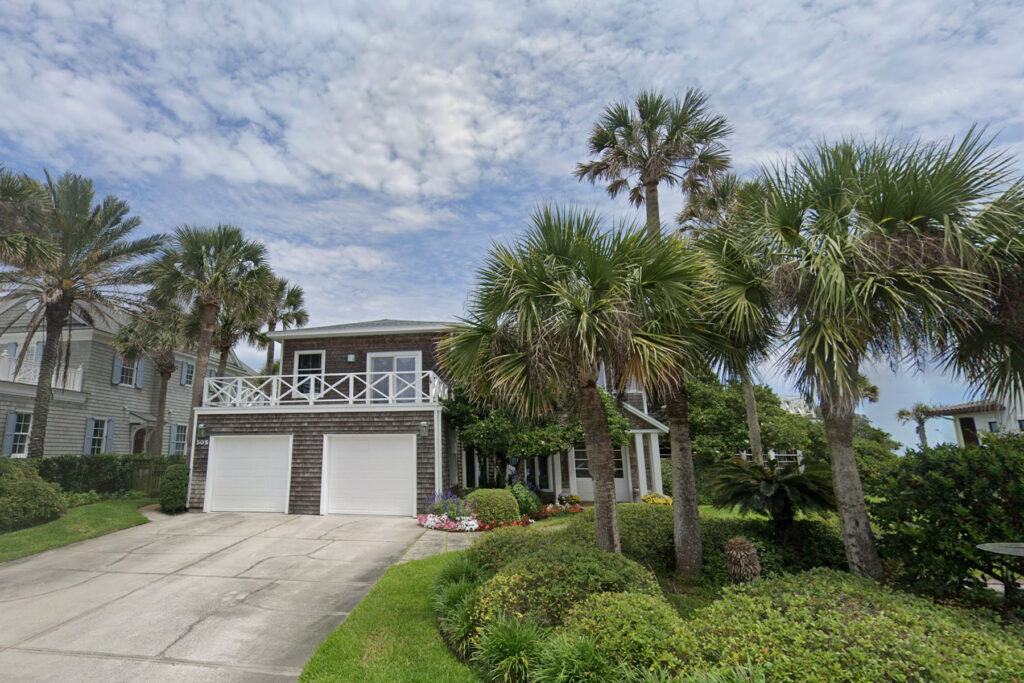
<point x="394" y="377"/>
<point x="969" y="431"/>
<point x="139" y="441"/>
<point x="585" y="483"/>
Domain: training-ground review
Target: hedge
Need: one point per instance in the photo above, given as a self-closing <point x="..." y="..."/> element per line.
<point x="174" y="489"/>
<point x="25" y="499"/>
<point x="494" y="506"/>
<point x="106" y="473"/>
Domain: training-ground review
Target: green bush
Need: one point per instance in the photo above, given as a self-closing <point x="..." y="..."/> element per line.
<point x="174" y="489"/>
<point x="506" y="648"/>
<point x="571" y="657"/>
<point x="643" y="631"/>
<point x="527" y="500"/>
<point x="494" y="506"/>
<point x="941" y="503"/>
<point x="451" y="594"/>
<point x="82" y="473"/>
<point x="463" y="566"/>
<point x="645" y="532"/>
<point x="546" y="584"/>
<point x="824" y="625"/>
<point x="25" y="499"/>
<point x="499" y="547"/>
<point x="458" y="624"/>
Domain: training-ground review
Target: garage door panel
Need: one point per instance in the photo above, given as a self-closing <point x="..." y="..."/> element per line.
<point x="371" y="474"/>
<point x="249" y="473"/>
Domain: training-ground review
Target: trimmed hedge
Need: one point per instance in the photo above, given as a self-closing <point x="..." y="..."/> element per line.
<point x="174" y="489"/>
<point x="824" y="625"/>
<point x="494" y="506"/>
<point x="501" y="546"/>
<point x="106" y="473"/>
<point x="25" y="499"/>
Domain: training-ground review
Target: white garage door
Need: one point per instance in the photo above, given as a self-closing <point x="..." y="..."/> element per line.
<point x="249" y="473"/>
<point x="371" y="474"/>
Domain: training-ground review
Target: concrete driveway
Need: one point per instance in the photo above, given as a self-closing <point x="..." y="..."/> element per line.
<point x="198" y="597"/>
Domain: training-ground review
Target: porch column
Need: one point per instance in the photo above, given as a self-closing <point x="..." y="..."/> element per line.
<point x="570" y="457"/>
<point x="556" y="486"/>
<point x="632" y="471"/>
<point x="638" y="439"/>
<point x="656" y="459"/>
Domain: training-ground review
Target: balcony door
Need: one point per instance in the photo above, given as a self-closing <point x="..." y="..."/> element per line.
<point x="394" y="376"/>
<point x="309" y="372"/>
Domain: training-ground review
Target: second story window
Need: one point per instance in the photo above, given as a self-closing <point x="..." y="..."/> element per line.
<point x="309" y="368"/>
<point x="128" y="372"/>
<point x="188" y="374"/>
<point x="128" y="368"/>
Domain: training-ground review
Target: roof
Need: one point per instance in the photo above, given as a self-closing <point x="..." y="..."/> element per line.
<point x="986" y="405"/>
<point x="369" y="327"/>
<point x="652" y="424"/>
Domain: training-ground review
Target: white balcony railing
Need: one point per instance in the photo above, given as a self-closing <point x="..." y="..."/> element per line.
<point x="28" y="373"/>
<point x="349" y="388"/>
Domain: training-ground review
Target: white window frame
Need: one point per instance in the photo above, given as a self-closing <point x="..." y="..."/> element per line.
<point x="28" y="430"/>
<point x="418" y="355"/>
<point x="296" y="377"/>
<point x="616" y="453"/>
<point x="131" y="366"/>
<point x="177" y="430"/>
<point x="96" y="421"/>
<point x="190" y="374"/>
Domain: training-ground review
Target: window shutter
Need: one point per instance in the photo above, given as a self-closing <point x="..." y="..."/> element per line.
<point x="12" y="350"/>
<point x="211" y="372"/>
<point x="181" y="375"/>
<point x="172" y="431"/>
<point x="115" y="376"/>
<point x="39" y="352"/>
<point x="140" y="373"/>
<point x="108" y="444"/>
<point x="89" y="424"/>
<point x="8" y="446"/>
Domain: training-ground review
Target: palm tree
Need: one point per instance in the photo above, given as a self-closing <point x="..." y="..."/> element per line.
<point x="90" y="272"/>
<point x="777" y="491"/>
<point x="204" y="269"/>
<point x="550" y="308"/>
<point x="866" y="391"/>
<point x="657" y="140"/>
<point x="287" y="309"/>
<point x="157" y="333"/>
<point x="919" y="414"/>
<point x="873" y="242"/>
<point x="22" y="199"/>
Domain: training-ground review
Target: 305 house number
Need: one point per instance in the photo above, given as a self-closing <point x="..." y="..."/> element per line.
<point x="202" y="442"/>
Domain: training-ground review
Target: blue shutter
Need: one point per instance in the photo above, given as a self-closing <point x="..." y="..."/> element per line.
<point x="89" y="425"/>
<point x="140" y="373"/>
<point x="39" y="352"/>
<point x="115" y="376"/>
<point x="12" y="421"/>
<point x="12" y="349"/>
<point x="108" y="444"/>
<point x="211" y="372"/>
<point x="181" y="375"/>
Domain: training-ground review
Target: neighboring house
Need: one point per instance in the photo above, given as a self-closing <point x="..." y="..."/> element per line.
<point x="980" y="417"/>
<point x="102" y="403"/>
<point x="354" y="424"/>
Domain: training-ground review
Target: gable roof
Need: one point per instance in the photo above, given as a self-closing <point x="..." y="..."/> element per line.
<point x="369" y="327"/>
<point x="986" y="405"/>
<point x="642" y="418"/>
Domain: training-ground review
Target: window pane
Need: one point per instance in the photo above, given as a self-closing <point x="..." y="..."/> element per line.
<point x="310" y="363"/>
<point x="128" y="372"/>
<point x="405" y="363"/>
<point x="22" y="427"/>
<point x="382" y="363"/>
<point x="580" y="456"/>
<point x="99" y="435"/>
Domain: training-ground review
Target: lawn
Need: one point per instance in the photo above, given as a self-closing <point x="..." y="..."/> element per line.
<point x="80" y="523"/>
<point x="391" y="635"/>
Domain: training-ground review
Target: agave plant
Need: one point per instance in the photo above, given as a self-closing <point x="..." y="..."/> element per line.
<point x="777" y="491"/>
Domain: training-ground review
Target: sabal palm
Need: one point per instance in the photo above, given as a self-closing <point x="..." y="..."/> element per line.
<point x="287" y="309"/>
<point x="656" y="139"/>
<point x="550" y="308"/>
<point x="918" y="414"/>
<point x="874" y="245"/>
<point x="22" y="199"/>
<point x="157" y="333"/>
<point x="203" y="269"/>
<point x="91" y="271"/>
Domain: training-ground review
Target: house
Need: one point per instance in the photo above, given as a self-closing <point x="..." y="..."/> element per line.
<point x="101" y="403"/>
<point x="980" y="417"/>
<point x="355" y="424"/>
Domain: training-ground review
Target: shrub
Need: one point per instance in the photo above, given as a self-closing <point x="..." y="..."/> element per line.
<point x="824" y="625"/>
<point x="494" y="506"/>
<point x="547" y="583"/>
<point x="569" y="499"/>
<point x="450" y="595"/>
<point x="501" y="546"/>
<point x="458" y="624"/>
<point x="656" y="499"/>
<point x="645" y="532"/>
<point x="527" y="500"/>
<point x="82" y="473"/>
<point x="74" y="500"/>
<point x="463" y="566"/>
<point x="941" y="503"/>
<point x="25" y="499"/>
<point x="174" y="489"/>
<point x="447" y="503"/>
<point x="507" y="647"/>
<point x="571" y="657"/>
<point x="642" y="631"/>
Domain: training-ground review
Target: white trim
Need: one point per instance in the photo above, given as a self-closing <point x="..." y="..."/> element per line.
<point x="557" y="478"/>
<point x="209" y="464"/>
<point x="390" y="354"/>
<point x="325" y="408"/>
<point x="437" y="454"/>
<point x="641" y="464"/>
<point x="656" y="458"/>
<point x="660" y="426"/>
<point x="571" y="454"/>
<point x="308" y="352"/>
<point x="415" y="476"/>
<point x="346" y="331"/>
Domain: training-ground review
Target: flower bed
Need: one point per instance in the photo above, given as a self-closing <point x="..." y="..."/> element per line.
<point x="470" y="522"/>
<point x="444" y="523"/>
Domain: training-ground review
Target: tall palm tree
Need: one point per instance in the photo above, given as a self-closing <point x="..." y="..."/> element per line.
<point x="657" y="139"/>
<point x="550" y="308"/>
<point x="918" y="414"/>
<point x="287" y="309"/>
<point x="22" y="199"/>
<point x="874" y="244"/>
<point x="204" y="269"/>
<point x="157" y="333"/>
<point x="91" y="270"/>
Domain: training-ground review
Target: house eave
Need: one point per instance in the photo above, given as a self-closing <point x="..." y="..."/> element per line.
<point x="656" y="425"/>
<point x="319" y="332"/>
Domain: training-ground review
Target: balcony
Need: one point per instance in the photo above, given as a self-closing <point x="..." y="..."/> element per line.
<point x="28" y="373"/>
<point x="340" y="389"/>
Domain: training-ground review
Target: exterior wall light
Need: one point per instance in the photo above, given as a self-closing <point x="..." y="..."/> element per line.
<point x="201" y="431"/>
<point x="351" y="358"/>
<point x="424" y="428"/>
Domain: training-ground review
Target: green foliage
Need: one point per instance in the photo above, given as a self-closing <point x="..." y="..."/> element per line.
<point x="25" y="499"/>
<point x="645" y="532"/>
<point x="742" y="674"/>
<point x="174" y="489"/>
<point x="89" y="497"/>
<point x="941" y="503"/>
<point x="571" y="657"/>
<point x="106" y="473"/>
<point x="506" y="648"/>
<point x="824" y="625"/>
<point x="494" y="506"/>
<point x="450" y="595"/>
<point x="462" y="567"/>
<point x="643" y="631"/>
<point x="527" y="500"/>
<point x="547" y="583"/>
<point x="458" y="623"/>
<point x="499" y="547"/>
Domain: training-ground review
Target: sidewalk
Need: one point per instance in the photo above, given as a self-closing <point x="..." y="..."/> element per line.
<point x="434" y="542"/>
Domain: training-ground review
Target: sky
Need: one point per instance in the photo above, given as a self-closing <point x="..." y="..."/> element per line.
<point x="378" y="149"/>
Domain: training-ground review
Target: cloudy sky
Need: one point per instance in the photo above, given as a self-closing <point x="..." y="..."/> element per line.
<point x="379" y="148"/>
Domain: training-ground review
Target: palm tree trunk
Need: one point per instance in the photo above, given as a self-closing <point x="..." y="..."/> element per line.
<point x="269" y="367"/>
<point x="597" y="437"/>
<point x="753" y="423"/>
<point x="921" y="434"/>
<point x="653" y="210"/>
<point x="861" y="553"/>
<point x="222" y="362"/>
<point x="56" y="317"/>
<point x="208" y="322"/>
<point x="156" y="442"/>
<point x="685" y="515"/>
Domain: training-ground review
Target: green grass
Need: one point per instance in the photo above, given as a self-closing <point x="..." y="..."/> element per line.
<point x="391" y="635"/>
<point x="80" y="523"/>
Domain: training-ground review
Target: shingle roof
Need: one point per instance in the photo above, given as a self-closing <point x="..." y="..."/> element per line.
<point x="369" y="327"/>
<point x="986" y="405"/>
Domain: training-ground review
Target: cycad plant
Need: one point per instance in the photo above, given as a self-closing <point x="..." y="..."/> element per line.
<point x="773" y="490"/>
